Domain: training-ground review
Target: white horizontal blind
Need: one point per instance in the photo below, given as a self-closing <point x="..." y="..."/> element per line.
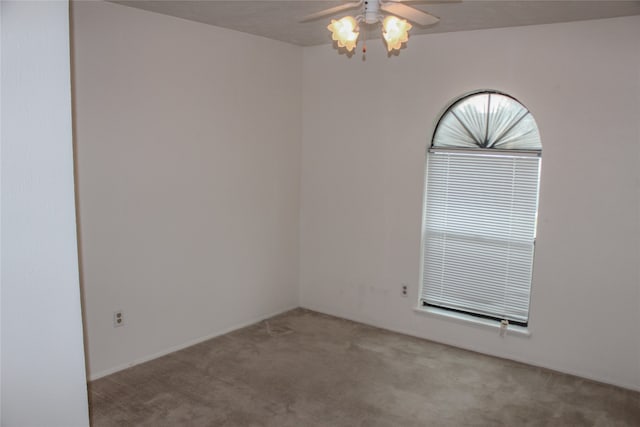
<point x="479" y="232"/>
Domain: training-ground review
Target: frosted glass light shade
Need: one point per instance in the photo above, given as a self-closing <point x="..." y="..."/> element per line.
<point x="344" y="32"/>
<point x="395" y="32"/>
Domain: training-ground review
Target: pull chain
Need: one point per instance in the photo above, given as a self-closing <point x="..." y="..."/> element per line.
<point x="364" y="40"/>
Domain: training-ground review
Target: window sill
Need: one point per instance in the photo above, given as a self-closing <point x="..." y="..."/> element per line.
<point x="465" y="318"/>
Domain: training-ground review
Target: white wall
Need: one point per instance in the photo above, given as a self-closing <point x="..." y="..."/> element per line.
<point x="188" y="156"/>
<point x="189" y="174"/>
<point x="43" y="372"/>
<point x="366" y="127"/>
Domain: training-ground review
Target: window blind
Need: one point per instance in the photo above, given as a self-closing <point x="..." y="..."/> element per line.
<point x="479" y="232"/>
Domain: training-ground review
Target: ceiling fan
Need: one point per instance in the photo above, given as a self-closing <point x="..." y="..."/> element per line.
<point x="395" y="30"/>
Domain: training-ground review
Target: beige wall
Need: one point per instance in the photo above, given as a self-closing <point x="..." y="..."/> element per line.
<point x="188" y="147"/>
<point x="366" y="127"/>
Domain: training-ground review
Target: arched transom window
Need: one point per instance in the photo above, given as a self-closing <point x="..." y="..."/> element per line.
<point x="487" y="120"/>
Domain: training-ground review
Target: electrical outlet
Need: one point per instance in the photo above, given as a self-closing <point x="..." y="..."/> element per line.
<point x="118" y="318"/>
<point x="404" y="290"/>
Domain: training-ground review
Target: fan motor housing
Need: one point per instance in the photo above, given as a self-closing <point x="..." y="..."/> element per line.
<point x="371" y="11"/>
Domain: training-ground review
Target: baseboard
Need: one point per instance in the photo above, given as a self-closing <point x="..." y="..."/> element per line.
<point x="172" y="349"/>
<point x="562" y="370"/>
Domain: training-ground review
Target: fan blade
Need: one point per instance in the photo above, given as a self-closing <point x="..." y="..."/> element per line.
<point x="410" y="13"/>
<point x="332" y="10"/>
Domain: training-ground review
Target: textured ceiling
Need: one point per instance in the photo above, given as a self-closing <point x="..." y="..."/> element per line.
<point x="279" y="20"/>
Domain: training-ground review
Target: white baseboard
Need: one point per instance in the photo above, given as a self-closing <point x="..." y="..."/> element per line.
<point x="254" y="320"/>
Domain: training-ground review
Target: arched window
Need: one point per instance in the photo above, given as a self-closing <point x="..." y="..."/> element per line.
<point x="481" y="202"/>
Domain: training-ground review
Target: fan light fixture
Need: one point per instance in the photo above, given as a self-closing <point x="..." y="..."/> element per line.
<point x="395" y="30"/>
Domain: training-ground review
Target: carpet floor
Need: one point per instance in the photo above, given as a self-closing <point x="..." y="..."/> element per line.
<point x="303" y="368"/>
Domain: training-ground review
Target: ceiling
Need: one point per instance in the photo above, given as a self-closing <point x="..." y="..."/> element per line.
<point x="279" y="20"/>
